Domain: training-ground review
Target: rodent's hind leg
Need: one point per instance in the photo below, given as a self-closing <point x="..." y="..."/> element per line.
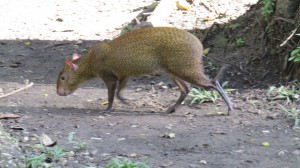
<point x="121" y="84"/>
<point x="184" y="90"/>
<point x="123" y="100"/>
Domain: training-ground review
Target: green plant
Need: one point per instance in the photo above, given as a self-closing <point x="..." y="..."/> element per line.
<point x="76" y="145"/>
<point x="47" y="154"/>
<point x="267" y="8"/>
<point x="240" y="42"/>
<point x="51" y="154"/>
<point x="294" y="113"/>
<point x="36" y="161"/>
<point x="234" y="26"/>
<point x="201" y="95"/>
<point x="295" y="55"/>
<point x="125" y="163"/>
<point x="288" y="93"/>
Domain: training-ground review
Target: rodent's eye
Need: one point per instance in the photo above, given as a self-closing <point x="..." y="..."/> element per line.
<point x="62" y="77"/>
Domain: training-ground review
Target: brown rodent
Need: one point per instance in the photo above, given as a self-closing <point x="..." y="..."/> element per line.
<point x="149" y="50"/>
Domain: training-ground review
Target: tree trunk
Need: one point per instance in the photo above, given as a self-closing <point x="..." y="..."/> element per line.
<point x="284" y="24"/>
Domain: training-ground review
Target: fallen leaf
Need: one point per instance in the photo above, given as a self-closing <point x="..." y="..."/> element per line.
<point x="45" y="94"/>
<point x="27" y="43"/>
<point x="16" y="127"/>
<point x="220" y="113"/>
<point x="265" y="144"/>
<point x="183" y="5"/>
<point x="215" y="114"/>
<point x="14" y="65"/>
<point x="104" y="103"/>
<point x="207" y="19"/>
<point x="171" y="135"/>
<point x="206" y="51"/>
<point x="46" y="140"/>
<point x="7" y="116"/>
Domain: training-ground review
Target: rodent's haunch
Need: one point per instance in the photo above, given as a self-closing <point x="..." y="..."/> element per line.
<point x="149" y="50"/>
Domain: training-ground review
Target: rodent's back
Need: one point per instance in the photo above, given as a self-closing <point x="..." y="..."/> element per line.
<point x="154" y="49"/>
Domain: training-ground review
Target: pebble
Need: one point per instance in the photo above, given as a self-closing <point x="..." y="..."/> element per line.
<point x="63" y="161"/>
<point x="238" y="151"/>
<point x="87" y="153"/>
<point x="265" y="131"/>
<point x="203" y="162"/>
<point x="296" y="152"/>
<point x="26" y="139"/>
<point x="160" y="84"/>
<point x="71" y="154"/>
<point x="134" y="126"/>
<point x="94" y="152"/>
<point x="282" y="153"/>
<point x="133" y="155"/>
<point x="121" y="139"/>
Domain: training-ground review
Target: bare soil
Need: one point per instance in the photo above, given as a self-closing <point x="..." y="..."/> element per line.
<point x="137" y="131"/>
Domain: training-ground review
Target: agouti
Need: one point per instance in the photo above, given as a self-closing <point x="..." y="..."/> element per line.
<point x="150" y="50"/>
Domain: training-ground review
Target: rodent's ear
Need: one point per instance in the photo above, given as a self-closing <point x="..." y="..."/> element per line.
<point x="71" y="65"/>
<point x="75" y="56"/>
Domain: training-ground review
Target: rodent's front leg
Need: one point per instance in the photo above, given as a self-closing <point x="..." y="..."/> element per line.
<point x="111" y="83"/>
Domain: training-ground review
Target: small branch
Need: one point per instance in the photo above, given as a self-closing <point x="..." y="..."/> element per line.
<point x="285" y="19"/>
<point x="292" y="34"/>
<point x="18" y="90"/>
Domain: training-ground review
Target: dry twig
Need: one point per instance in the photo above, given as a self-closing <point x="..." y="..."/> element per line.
<point x="292" y="34"/>
<point x="18" y="90"/>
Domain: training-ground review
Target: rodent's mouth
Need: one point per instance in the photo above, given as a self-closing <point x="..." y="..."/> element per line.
<point x="63" y="92"/>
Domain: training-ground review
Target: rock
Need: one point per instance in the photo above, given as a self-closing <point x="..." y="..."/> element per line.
<point x="71" y="154"/>
<point x="10" y="155"/>
<point x="63" y="161"/>
<point x="203" y="162"/>
<point x="138" y="89"/>
<point x="282" y="153"/>
<point x="94" y="152"/>
<point x="296" y="152"/>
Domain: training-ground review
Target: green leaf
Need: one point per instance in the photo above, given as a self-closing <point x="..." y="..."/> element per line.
<point x="294" y="52"/>
<point x="297" y="59"/>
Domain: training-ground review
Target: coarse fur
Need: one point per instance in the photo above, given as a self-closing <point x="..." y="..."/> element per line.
<point x="149" y="50"/>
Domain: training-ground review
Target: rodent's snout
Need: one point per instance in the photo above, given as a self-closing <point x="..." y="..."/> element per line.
<point x="61" y="92"/>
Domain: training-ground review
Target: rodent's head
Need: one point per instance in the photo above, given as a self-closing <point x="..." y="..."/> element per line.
<point x="68" y="79"/>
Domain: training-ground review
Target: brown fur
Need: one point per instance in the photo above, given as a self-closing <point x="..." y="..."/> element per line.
<point x="144" y="51"/>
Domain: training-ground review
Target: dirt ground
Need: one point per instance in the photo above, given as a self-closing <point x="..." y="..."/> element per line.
<point x="135" y="131"/>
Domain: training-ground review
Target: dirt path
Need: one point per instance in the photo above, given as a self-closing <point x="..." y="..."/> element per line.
<point x="133" y="131"/>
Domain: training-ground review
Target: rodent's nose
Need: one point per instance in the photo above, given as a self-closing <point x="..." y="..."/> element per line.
<point x="61" y="92"/>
